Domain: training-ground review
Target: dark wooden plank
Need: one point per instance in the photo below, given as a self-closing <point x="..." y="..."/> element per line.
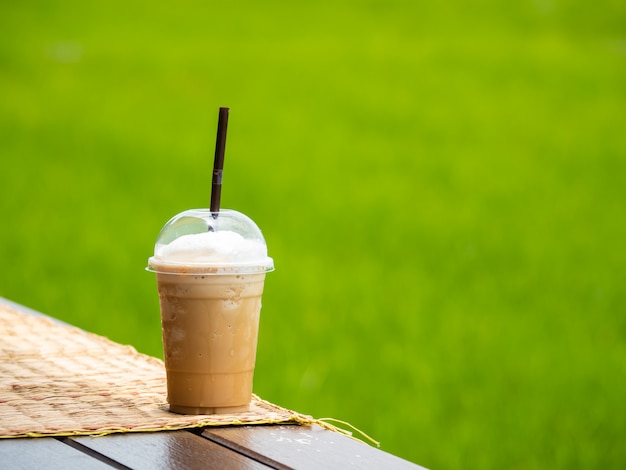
<point x="167" y="449"/>
<point x="44" y="452"/>
<point x="304" y="447"/>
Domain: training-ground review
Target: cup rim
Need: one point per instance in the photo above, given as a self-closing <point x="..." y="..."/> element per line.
<point x="156" y="265"/>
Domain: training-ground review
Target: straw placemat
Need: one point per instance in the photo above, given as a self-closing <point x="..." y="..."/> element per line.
<point x="57" y="380"/>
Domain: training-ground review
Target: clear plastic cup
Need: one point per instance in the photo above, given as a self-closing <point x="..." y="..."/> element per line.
<point x="210" y="271"/>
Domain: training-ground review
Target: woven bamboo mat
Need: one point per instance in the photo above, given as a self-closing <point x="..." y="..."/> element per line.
<point x="57" y="380"/>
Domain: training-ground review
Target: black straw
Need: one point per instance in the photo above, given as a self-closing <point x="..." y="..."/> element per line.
<point x="218" y="163"/>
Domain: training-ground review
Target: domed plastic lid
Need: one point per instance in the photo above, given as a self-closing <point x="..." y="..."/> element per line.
<point x="199" y="241"/>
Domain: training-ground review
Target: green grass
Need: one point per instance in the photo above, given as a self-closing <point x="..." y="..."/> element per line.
<point x="441" y="188"/>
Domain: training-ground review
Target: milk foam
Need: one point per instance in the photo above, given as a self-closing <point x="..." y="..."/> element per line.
<point x="222" y="247"/>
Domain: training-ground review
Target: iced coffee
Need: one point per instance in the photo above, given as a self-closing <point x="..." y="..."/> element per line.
<point x="210" y="270"/>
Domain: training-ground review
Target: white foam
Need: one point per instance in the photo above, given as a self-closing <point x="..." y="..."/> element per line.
<point x="223" y="247"/>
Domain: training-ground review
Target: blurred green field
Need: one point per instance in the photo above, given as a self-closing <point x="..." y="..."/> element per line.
<point x="441" y="188"/>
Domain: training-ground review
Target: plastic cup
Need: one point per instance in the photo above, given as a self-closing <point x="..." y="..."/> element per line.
<point x="210" y="300"/>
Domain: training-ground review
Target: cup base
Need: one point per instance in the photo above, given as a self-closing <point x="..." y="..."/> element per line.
<point x="215" y="410"/>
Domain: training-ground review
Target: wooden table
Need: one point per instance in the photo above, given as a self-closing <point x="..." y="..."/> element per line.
<point x="249" y="447"/>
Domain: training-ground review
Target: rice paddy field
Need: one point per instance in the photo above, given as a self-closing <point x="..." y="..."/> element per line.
<point x="441" y="187"/>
